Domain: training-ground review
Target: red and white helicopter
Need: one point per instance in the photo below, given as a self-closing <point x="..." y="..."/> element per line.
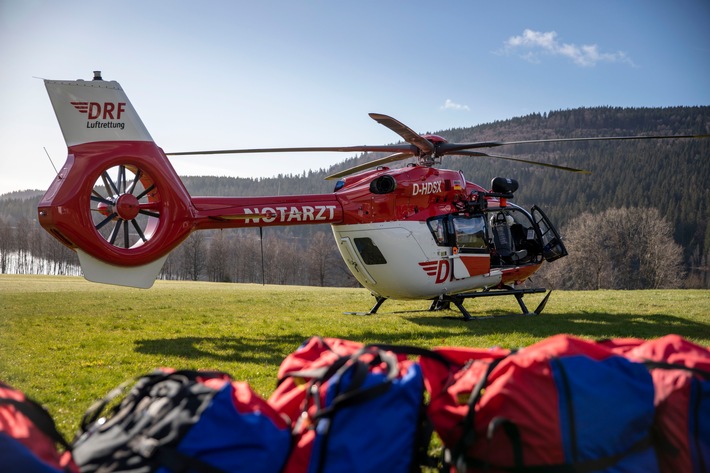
<point x="416" y="232"/>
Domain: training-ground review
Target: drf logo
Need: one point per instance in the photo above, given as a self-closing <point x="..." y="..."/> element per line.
<point x="439" y="269"/>
<point x="101" y="111"/>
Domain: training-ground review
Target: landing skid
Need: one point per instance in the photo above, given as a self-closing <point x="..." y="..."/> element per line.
<point x="444" y="302"/>
<point x="378" y="302"/>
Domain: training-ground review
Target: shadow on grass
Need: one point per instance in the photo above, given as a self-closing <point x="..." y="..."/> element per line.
<point x="270" y="350"/>
<point x="584" y="324"/>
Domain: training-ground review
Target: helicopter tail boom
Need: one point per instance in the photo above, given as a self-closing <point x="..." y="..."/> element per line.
<point x="120" y="205"/>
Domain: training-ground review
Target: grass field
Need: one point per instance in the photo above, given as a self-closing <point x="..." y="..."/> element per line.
<point x="67" y="342"/>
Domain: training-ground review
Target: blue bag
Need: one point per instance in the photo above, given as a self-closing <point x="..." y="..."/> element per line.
<point x="363" y="413"/>
<point x="182" y="421"/>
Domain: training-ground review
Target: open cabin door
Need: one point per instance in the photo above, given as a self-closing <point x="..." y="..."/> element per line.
<point x="552" y="246"/>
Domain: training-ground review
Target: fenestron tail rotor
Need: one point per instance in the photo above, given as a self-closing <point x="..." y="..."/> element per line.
<point x="428" y="149"/>
<point x="125" y="206"/>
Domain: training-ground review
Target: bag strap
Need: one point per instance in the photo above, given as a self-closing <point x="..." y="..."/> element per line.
<point x="673" y="366"/>
<point x="425" y="428"/>
<point x="413" y="350"/>
<point x="468" y="432"/>
<point x="94" y="411"/>
<point x="40" y="417"/>
<point x="355" y="393"/>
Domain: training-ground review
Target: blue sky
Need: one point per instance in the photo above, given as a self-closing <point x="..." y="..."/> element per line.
<point x="219" y="74"/>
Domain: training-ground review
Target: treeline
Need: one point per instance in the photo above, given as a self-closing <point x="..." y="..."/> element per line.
<point x="670" y="176"/>
<point x="250" y="256"/>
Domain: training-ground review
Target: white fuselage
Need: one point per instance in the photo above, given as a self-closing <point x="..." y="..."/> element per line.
<point x="414" y="266"/>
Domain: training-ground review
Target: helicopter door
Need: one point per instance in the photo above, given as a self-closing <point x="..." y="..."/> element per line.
<point x="472" y="256"/>
<point x="355" y="264"/>
<point x="552" y="246"/>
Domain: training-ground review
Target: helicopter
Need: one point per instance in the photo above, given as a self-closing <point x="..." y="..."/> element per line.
<point x="412" y="233"/>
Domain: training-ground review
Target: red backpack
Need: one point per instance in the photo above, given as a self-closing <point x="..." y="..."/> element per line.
<point x="681" y="376"/>
<point x="563" y="404"/>
<point x="29" y="437"/>
<point x="314" y="355"/>
<point x="354" y="408"/>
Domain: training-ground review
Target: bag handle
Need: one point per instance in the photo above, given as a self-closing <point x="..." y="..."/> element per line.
<point x="355" y="393"/>
<point x="468" y="433"/>
<point x="40" y="417"/>
<point x="412" y="350"/>
<point x="650" y="364"/>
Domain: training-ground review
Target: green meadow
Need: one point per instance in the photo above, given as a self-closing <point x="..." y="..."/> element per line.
<point x="67" y="342"/>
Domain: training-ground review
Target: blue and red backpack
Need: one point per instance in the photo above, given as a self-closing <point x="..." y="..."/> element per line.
<point x="179" y="421"/>
<point x="681" y="376"/>
<point x="29" y="439"/>
<point x="354" y="408"/>
<point x="561" y="405"/>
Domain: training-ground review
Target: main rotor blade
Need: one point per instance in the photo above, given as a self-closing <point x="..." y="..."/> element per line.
<point x="370" y="164"/>
<point x="348" y="149"/>
<point x="508" y="158"/>
<point x="453" y="148"/>
<point x="409" y="135"/>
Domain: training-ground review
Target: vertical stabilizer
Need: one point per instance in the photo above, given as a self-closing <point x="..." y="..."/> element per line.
<point x="93" y="111"/>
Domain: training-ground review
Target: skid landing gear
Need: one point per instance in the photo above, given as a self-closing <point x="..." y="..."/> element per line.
<point x="444" y="302"/>
<point x="379" y="300"/>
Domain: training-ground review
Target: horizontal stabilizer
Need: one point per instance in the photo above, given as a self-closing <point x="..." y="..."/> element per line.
<point x="141" y="277"/>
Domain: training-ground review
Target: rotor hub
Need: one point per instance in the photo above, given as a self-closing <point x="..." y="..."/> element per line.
<point x="127" y="207"/>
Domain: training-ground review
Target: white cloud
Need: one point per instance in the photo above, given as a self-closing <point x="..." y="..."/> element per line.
<point x="532" y="44"/>
<point x="451" y="105"/>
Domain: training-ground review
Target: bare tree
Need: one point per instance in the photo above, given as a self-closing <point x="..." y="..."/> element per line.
<point x="320" y="255"/>
<point x="619" y="249"/>
<point x="217" y="258"/>
<point x="194" y="253"/>
<point x="5" y="246"/>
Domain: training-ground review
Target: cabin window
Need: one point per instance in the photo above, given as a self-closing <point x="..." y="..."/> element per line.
<point x="369" y="252"/>
<point x="438" y="230"/>
<point x="470" y="233"/>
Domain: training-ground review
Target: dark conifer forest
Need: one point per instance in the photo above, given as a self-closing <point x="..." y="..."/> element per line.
<point x="670" y="176"/>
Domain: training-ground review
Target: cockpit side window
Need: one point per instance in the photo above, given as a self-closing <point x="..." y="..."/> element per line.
<point x="438" y="230"/>
<point x="470" y="233"/>
<point x="369" y="252"/>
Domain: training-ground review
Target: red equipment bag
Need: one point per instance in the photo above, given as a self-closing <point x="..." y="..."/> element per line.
<point x="450" y="387"/>
<point x="681" y="376"/>
<point x="309" y="360"/>
<point x="29" y="437"/>
<point x="561" y="405"/>
<point x="354" y="408"/>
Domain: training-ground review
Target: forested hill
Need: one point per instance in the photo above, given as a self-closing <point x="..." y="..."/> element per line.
<point x="670" y="175"/>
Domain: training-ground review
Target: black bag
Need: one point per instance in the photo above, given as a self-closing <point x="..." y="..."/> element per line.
<point x="183" y="421"/>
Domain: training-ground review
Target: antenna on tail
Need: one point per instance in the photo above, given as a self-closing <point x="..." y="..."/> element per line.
<point x="51" y="162"/>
